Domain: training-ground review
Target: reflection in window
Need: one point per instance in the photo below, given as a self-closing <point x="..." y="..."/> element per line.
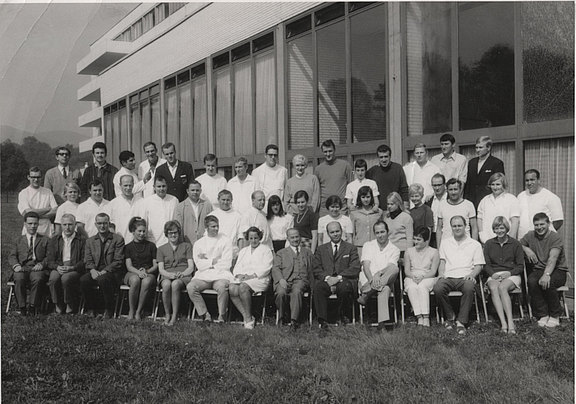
<point x="429" y="68"/>
<point x="223" y="115"/>
<point x="486" y="64"/>
<point x="548" y="60"/>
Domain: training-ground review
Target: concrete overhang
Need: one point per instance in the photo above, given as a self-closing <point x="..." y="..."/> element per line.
<point x="90" y="91"/>
<point x="102" y="55"/>
<point x="91" y="119"/>
<point x="86" y="145"/>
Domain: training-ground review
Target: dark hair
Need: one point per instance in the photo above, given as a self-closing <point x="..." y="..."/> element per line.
<point x="458" y="217"/>
<point x="438" y="175"/>
<point x="125" y="156"/>
<point x="102" y="214"/>
<point x="271" y="201"/>
<point x="333" y="200"/>
<point x="95" y="183"/>
<point x="541" y="216"/>
<point x="168" y="145"/>
<point x="328" y="143"/>
<point x="422" y="231"/>
<point x="301" y="194"/>
<point x="149" y="144"/>
<point x="271" y="146"/>
<point x="34" y="169"/>
<point x="380" y="222"/>
<point x="253" y="229"/>
<point x="210" y="219"/>
<point x="210" y="157"/>
<point x="532" y="171"/>
<point x="225" y="192"/>
<point x="99" y="145"/>
<point x="383" y="148"/>
<point x="360" y="163"/>
<point x="62" y="148"/>
<point x="193" y="182"/>
<point x="159" y="178"/>
<point x="31" y="214"/>
<point x="135" y="222"/>
<point x="453" y="181"/>
<point x="447" y="137"/>
<point x="363" y="191"/>
<point x="173" y="224"/>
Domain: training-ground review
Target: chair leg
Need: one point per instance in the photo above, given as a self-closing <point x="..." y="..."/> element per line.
<point x="483" y="297"/>
<point x="263" y="307"/>
<point x="565" y="305"/>
<point x="10" y="294"/>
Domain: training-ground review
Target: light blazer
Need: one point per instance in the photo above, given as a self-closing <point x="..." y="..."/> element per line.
<point x="177" y="185"/>
<point x="284" y="265"/>
<point x="476" y="186"/>
<point x="192" y="228"/>
<point x="56" y="248"/>
<point x="19" y="254"/>
<point x="113" y="253"/>
<point x="346" y="263"/>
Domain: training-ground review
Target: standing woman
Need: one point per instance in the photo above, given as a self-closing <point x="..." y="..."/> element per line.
<point x="278" y="221"/>
<point x="504" y="263"/>
<point x="251" y="274"/>
<point x="364" y="217"/>
<point x="399" y="222"/>
<point x="71" y="196"/>
<point x="306" y="221"/>
<point x="499" y="203"/>
<point x="176" y="265"/>
<point x="302" y="181"/>
<point x="142" y="267"/>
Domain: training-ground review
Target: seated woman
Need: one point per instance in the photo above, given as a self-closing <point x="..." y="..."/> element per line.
<point x="176" y="265"/>
<point x="399" y="222"/>
<point x="420" y="267"/>
<point x="363" y="217"/>
<point x="278" y="221"/>
<point x="504" y="263"/>
<point x="334" y="205"/>
<point x="142" y="268"/>
<point x="306" y="221"/>
<point x="251" y="274"/>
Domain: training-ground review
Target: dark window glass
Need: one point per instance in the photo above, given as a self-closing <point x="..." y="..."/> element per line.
<point x="329" y="13"/>
<point x="169" y="83"/>
<point x="143" y="94"/>
<point x="183" y="77"/>
<point x="265" y="41"/>
<point x="241" y="51"/>
<point x="113" y="108"/>
<point x="357" y="5"/>
<point x="220" y="60"/>
<point x="548" y="60"/>
<point x="106" y="110"/>
<point x="155" y="89"/>
<point x="134" y="99"/>
<point x="122" y="104"/>
<point x="486" y="65"/>
<point x="299" y="26"/>
<point x="198" y="71"/>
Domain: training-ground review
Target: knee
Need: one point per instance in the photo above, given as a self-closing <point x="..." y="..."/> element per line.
<point x="134" y="281"/>
<point x="192" y="287"/>
<point x="147" y="282"/>
<point x="233" y="290"/>
<point x="468" y="287"/>
<point x="244" y="288"/>
<point x="533" y="279"/>
<point x="503" y="288"/>
<point x="440" y="287"/>
<point x="166" y="285"/>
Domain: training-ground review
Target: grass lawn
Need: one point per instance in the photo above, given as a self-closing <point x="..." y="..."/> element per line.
<point x="79" y="359"/>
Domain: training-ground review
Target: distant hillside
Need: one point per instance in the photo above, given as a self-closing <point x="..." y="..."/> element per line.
<point x="52" y="138"/>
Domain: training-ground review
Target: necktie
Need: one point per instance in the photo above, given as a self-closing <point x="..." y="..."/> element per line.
<point x="64" y="173"/>
<point x="335" y="250"/>
<point x="297" y="251"/>
<point x="31" y="248"/>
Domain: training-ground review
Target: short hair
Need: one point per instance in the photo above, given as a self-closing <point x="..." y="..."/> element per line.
<point x="422" y="231"/>
<point x="125" y="155"/>
<point x="301" y="194"/>
<point x="416" y="189"/>
<point x="70" y="185"/>
<point x="299" y="157"/>
<point x="126" y="175"/>
<point x="149" y="143"/>
<point x="159" y="178"/>
<point x="62" y="148"/>
<point x="253" y="195"/>
<point x="397" y="199"/>
<point x="274" y="199"/>
<point x="360" y="163"/>
<point x="501" y="221"/>
<point x="34" y="169"/>
<point x="31" y="214"/>
<point x="271" y="147"/>
<point x="292" y="229"/>
<point x="99" y="145"/>
<point x="532" y="171"/>
<point x="192" y="182"/>
<point x="380" y="222"/>
<point x="363" y="191"/>
<point x="135" y="222"/>
<point x="447" y="137"/>
<point x="496" y="177"/>
<point x="225" y="192"/>
<point x="242" y="159"/>
<point x="210" y="219"/>
<point x="485" y="139"/>
<point x="328" y="143"/>
<point x="210" y="157"/>
<point x="95" y="183"/>
<point x="253" y="229"/>
<point x="419" y="145"/>
<point x="333" y="200"/>
<point x="438" y="175"/>
<point x="540" y="216"/>
<point x="384" y="148"/>
<point x="453" y="181"/>
<point x="170" y="225"/>
<point x="168" y="145"/>
<point x="102" y="214"/>
<point x="333" y="221"/>
<point x="458" y="217"/>
<point x="68" y="216"/>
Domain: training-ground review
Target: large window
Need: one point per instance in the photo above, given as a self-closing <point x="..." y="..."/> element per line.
<point x="144" y="118"/>
<point x="116" y="129"/>
<point x="150" y="19"/>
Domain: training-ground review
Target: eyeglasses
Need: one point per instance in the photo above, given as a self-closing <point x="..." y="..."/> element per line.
<point x="35" y="178"/>
<point x="63" y="154"/>
<point x="272" y="155"/>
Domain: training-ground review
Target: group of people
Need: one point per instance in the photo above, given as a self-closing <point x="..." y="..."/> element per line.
<point x="440" y="222"/>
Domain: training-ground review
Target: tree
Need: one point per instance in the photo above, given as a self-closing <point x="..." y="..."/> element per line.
<point x="40" y="154"/>
<point x="14" y="167"/>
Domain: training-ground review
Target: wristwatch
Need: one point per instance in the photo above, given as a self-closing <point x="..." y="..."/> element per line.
<point x="547" y="273"/>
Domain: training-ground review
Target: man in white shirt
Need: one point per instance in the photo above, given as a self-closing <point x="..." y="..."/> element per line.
<point x="461" y="260"/>
<point x="229" y="219"/>
<point x="157" y="209"/>
<point x="271" y="176"/>
<point x="455" y="205"/>
<point x="213" y="259"/>
<point x="421" y="171"/>
<point x="122" y="208"/>
<point x="242" y="186"/>
<point x="147" y="168"/>
<point x="451" y="164"/>
<point x="255" y="216"/>
<point x="536" y="199"/>
<point x="128" y="163"/>
<point x="211" y="181"/>
<point x="87" y="210"/>
<point x="40" y="200"/>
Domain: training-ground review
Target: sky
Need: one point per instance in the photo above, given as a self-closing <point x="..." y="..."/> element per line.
<point x="40" y="45"/>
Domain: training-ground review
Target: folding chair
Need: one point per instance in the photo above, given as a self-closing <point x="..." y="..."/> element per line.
<point x="158" y="300"/>
<point x="205" y="292"/>
<point x="561" y="291"/>
<point x="257" y="295"/>
<point x="375" y="297"/>
<point x="456" y="293"/>
<point x="11" y="293"/>
<point x="120" y="297"/>
<point x="518" y="294"/>
<point x="306" y="295"/>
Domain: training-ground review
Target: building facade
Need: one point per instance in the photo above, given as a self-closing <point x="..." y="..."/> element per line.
<point x="230" y="78"/>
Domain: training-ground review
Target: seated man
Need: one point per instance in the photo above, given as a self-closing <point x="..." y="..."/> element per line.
<point x="291" y="275"/>
<point x="213" y="258"/>
<point x="104" y="258"/>
<point x="544" y="251"/>
<point x="461" y="260"/>
<point x="380" y="270"/>
<point x="335" y="266"/>
<point x="28" y="262"/>
<point x="66" y="262"/>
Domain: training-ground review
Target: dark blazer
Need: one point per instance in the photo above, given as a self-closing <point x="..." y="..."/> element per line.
<point x="19" y="254"/>
<point x="113" y="253"/>
<point x="177" y="185"/>
<point x="284" y="265"/>
<point x="346" y="263"/>
<point x="106" y="175"/>
<point x="476" y="186"/>
<point x="56" y="247"/>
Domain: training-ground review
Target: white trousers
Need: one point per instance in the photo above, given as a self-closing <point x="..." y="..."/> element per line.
<point x="419" y="294"/>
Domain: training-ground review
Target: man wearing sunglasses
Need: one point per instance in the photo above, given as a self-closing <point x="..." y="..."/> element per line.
<point x="57" y="177"/>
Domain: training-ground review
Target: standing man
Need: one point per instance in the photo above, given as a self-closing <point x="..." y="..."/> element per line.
<point x="39" y="200"/>
<point x="99" y="170"/>
<point x="439" y="186"/>
<point x="104" y="257"/>
<point x="255" y="217"/>
<point x="128" y="163"/>
<point x="157" y="209"/>
<point x="88" y="210"/>
<point x="147" y="168"/>
<point x="536" y="199"/>
<point x="451" y="164"/>
<point x="211" y="181"/>
<point x="290" y="273"/>
<point x="455" y="205"/>
<point x="28" y="260"/>
<point x="228" y="219"/>
<point x="480" y="169"/>
<point x="389" y="176"/>
<point x="57" y="177"/>
<point x="421" y="171"/>
<point x="270" y="175"/>
<point x="177" y="173"/>
<point x="242" y="186"/>
<point x="333" y="174"/>
<point x="336" y="267"/>
<point x="122" y="208"/>
<point x="191" y="213"/>
<point x="66" y="264"/>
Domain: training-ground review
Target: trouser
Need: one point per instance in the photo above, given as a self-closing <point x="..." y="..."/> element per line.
<point x="64" y="288"/>
<point x="294" y="291"/>
<point x="344" y="295"/>
<point x="382" y="284"/>
<point x="546" y="302"/>
<point x="419" y="294"/>
<point x="467" y="287"/>
<point x="37" y="281"/>
<point x="195" y="288"/>
<point x="108" y="284"/>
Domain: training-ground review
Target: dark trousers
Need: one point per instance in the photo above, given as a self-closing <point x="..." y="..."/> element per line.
<point x="108" y="284"/>
<point x="37" y="282"/>
<point x="444" y="286"/>
<point x="546" y="302"/>
<point x="64" y="288"/>
<point x="294" y="291"/>
<point x="344" y="293"/>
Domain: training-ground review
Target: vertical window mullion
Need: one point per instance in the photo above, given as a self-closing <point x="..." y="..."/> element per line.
<point x="253" y="96"/>
<point x="348" y="53"/>
<point x="315" y="86"/>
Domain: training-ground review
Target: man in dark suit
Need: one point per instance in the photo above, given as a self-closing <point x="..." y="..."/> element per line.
<point x="291" y="276"/>
<point x="104" y="258"/>
<point x="99" y="170"/>
<point x="66" y="262"/>
<point x="480" y="169"/>
<point x="28" y="262"/>
<point x="178" y="173"/>
<point x="336" y="268"/>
